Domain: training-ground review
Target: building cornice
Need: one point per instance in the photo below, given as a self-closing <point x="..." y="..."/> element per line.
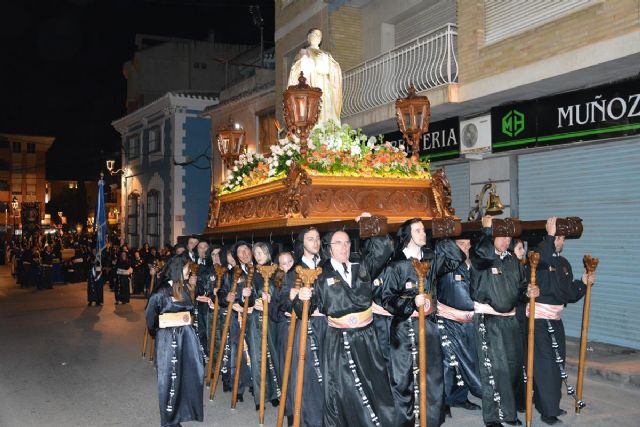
<point x="169" y="103"/>
<point x="34" y="139"/>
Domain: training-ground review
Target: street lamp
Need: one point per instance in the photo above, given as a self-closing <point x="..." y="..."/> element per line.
<point x="413" y="113"/>
<point x="14" y="207"/>
<point x="231" y="143"/>
<point x="111" y="164"/>
<point x="301" y="110"/>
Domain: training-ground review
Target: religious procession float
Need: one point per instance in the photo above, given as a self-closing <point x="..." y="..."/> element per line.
<point x="325" y="173"/>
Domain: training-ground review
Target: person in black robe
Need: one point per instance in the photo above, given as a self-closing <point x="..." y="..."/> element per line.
<point x="357" y="391"/>
<point x="123" y="272"/>
<point x="307" y="255"/>
<point x="178" y="356"/>
<point x="497" y="284"/>
<point x="397" y="292"/>
<point x="95" y="283"/>
<point x="554" y="277"/>
<point x="241" y="256"/>
<point x="455" y="322"/>
<point x="46" y="265"/>
<point x="204" y="292"/>
<point x="140" y="274"/>
<point x="262" y="256"/>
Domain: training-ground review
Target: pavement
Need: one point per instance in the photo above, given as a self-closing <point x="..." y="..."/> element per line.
<point x="65" y="364"/>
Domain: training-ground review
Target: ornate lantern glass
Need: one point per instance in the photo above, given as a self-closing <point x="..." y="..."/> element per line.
<point x="413" y="113"/>
<point x="14" y="203"/>
<point x="301" y="109"/>
<point x="231" y="143"/>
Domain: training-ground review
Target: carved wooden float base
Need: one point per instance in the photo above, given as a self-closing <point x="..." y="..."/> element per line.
<point x="300" y="199"/>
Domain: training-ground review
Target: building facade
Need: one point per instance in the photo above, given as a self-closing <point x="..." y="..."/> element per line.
<point x="22" y="175"/>
<point x="166" y="176"/>
<point x="539" y="98"/>
<point x="164" y="64"/>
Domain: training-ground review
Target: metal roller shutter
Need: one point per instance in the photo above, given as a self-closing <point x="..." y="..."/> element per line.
<point x="600" y="184"/>
<point x="458" y="176"/>
<point x="424" y="21"/>
<point x="506" y="18"/>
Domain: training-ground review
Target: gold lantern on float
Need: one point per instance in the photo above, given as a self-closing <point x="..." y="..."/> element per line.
<point x="231" y="143"/>
<point x="301" y="109"/>
<point x="413" y="113"/>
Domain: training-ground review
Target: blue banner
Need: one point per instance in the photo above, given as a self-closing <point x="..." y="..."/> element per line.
<point x="100" y="222"/>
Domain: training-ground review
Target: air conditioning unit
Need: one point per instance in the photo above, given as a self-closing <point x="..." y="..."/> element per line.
<point x="475" y="135"/>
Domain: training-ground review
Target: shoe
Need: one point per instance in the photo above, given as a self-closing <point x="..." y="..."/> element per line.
<point x="240" y="398"/>
<point x="257" y="407"/>
<point x="468" y="405"/>
<point x="493" y="425"/>
<point x="447" y="411"/>
<point x="562" y="412"/>
<point x="517" y="422"/>
<point x="275" y="403"/>
<point x="99" y="303"/>
<point x="88" y="304"/>
<point x="289" y="420"/>
<point x="550" y="420"/>
<point x="226" y="388"/>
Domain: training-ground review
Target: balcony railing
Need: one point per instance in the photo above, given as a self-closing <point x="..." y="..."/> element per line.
<point x="427" y="61"/>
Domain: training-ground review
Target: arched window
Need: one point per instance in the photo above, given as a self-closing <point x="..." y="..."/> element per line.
<point x="133" y="209"/>
<point x="153" y="218"/>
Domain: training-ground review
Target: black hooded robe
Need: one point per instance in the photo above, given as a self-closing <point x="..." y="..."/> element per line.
<point x="179" y="360"/>
<point x="501" y="284"/>
<point x="554" y="277"/>
<point x="397" y="291"/>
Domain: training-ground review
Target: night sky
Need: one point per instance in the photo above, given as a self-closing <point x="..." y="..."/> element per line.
<point x="61" y="65"/>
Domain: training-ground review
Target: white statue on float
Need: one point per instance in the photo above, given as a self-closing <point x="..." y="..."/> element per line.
<point x="321" y="71"/>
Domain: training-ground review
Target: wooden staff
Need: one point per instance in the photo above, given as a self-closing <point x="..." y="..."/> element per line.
<point x="308" y="277"/>
<point x="243" y="329"/>
<point x="266" y="271"/>
<point x="590" y="265"/>
<point x="422" y="268"/>
<point x="534" y="259"/>
<point x="146" y="330"/>
<point x="287" y="360"/>
<point x="237" y="272"/>
<point x="220" y="270"/>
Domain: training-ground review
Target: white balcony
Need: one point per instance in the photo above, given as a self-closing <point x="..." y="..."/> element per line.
<point x="427" y="61"/>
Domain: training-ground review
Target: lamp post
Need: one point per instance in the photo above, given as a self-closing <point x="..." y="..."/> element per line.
<point x="231" y="144"/>
<point x="14" y="208"/>
<point x="413" y="113"/>
<point x="301" y="104"/>
<point x="123" y="172"/>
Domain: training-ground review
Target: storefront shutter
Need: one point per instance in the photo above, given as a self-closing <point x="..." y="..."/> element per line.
<point x="458" y="175"/>
<point x="425" y="21"/>
<point x="600" y="184"/>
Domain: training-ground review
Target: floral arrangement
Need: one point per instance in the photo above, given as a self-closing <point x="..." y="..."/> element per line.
<point x="332" y="150"/>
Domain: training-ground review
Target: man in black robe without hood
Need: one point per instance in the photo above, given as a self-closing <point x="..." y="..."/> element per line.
<point x="357" y="391"/>
<point x="554" y="277"/>
<point x="498" y="283"/>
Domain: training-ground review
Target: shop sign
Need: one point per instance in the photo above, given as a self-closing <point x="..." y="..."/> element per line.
<point x="606" y="111"/>
<point x="441" y="142"/>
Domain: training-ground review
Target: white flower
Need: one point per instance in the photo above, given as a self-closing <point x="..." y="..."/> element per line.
<point x="371" y="142"/>
<point x="402" y="147"/>
<point x="355" y="150"/>
<point x="288" y="162"/>
<point x="235" y="168"/>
